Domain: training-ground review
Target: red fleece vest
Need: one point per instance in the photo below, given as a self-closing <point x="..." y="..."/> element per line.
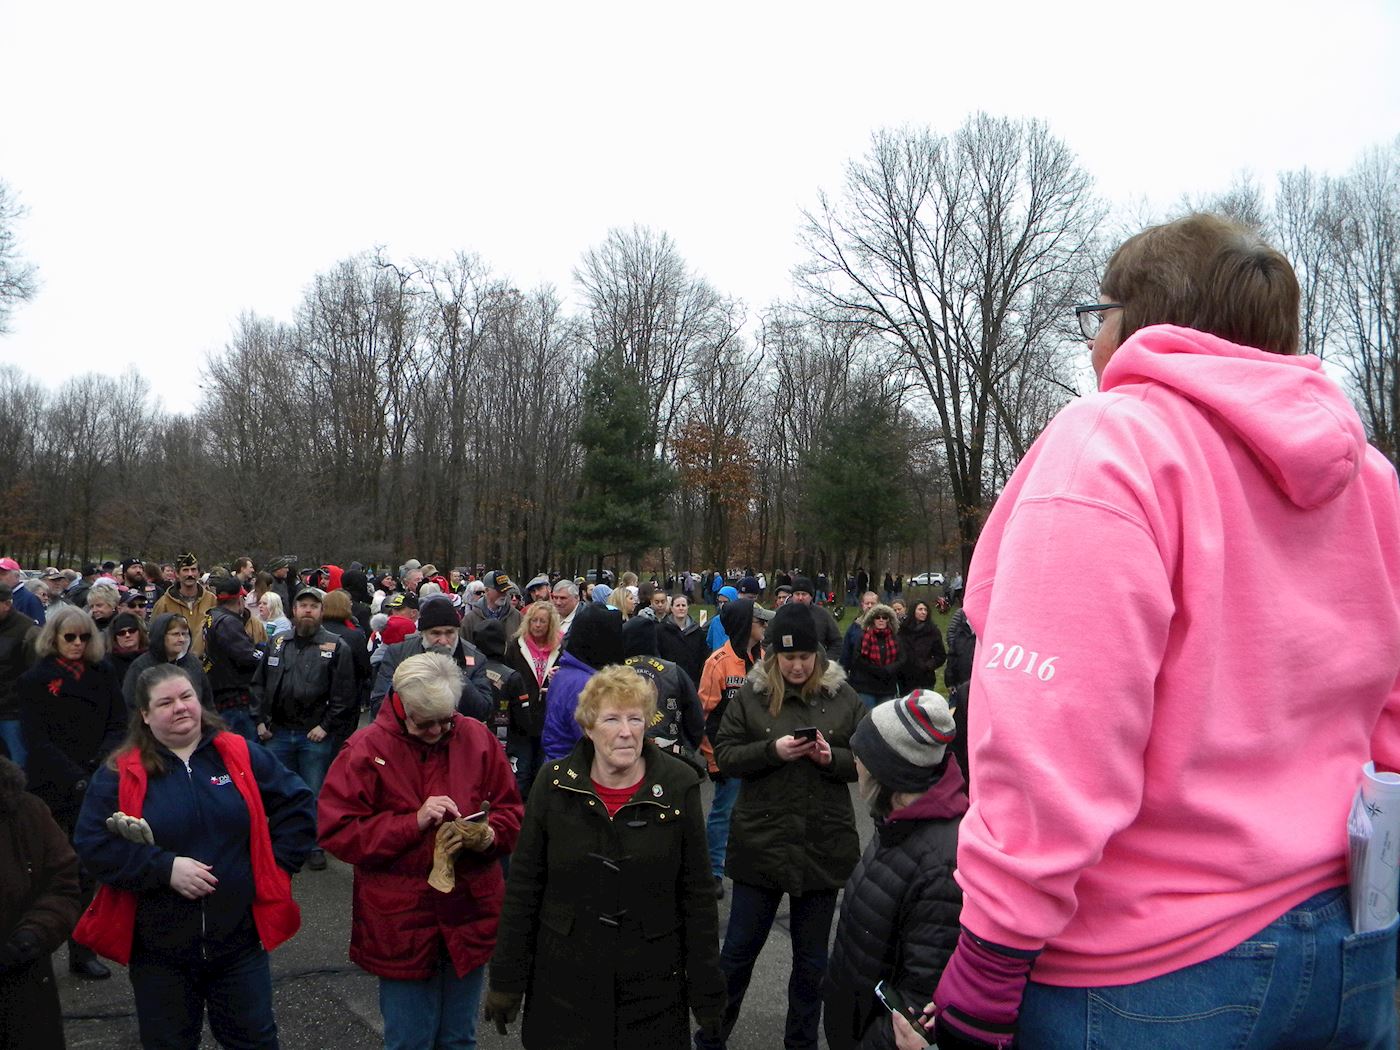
<point x="109" y="924"/>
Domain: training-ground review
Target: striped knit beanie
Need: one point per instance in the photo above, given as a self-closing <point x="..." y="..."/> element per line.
<point x="903" y="741"/>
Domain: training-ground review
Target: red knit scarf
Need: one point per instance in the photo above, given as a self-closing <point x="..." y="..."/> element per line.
<point x="879" y="646"/>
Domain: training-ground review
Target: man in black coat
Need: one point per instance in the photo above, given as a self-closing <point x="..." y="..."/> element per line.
<point x="230" y="658"/>
<point x="303" y="689"/>
<point x="437" y="632"/>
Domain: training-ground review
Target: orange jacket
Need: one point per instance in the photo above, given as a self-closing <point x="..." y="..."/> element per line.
<point x="723" y="674"/>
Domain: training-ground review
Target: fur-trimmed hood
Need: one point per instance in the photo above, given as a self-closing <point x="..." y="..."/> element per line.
<point x="832" y="677"/>
<point x="881" y="610"/>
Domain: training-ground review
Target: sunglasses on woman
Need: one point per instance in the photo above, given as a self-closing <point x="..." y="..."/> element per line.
<point x="70" y="637"/>
<point x="127" y="630"/>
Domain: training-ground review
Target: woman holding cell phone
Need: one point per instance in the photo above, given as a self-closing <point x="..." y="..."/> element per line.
<point x="423" y="803"/>
<point x="787" y="736"/>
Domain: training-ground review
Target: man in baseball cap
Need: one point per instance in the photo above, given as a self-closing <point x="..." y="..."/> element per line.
<point x="495" y="604"/>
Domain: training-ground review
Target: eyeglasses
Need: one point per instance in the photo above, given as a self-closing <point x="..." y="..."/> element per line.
<point x="70" y="637"/>
<point x="444" y="724"/>
<point x="126" y="630"/>
<point x="1090" y="317"/>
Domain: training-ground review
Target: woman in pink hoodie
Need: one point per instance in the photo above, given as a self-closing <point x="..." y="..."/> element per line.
<point x="1156" y="849"/>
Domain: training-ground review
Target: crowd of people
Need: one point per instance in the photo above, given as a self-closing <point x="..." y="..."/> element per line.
<point x="1119" y="821"/>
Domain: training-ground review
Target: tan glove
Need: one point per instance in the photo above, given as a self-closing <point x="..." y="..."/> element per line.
<point x="133" y="829"/>
<point x="443" y="877"/>
<point x="477" y="836"/>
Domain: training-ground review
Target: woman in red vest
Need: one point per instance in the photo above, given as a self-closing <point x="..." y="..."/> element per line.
<point x="194" y="836"/>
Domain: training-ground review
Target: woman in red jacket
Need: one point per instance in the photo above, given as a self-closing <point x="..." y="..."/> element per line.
<point x="405" y="786"/>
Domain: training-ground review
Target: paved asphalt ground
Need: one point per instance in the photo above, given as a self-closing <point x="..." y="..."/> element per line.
<point x="324" y="1001"/>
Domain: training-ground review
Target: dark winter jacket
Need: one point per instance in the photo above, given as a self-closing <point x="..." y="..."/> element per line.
<point x="793" y="828"/>
<point x="358" y="643"/>
<point x="684" y="646"/>
<point x="27" y="603"/>
<point x="476" y="690"/>
<point x="196" y="812"/>
<point x="73" y="717"/>
<point x="596" y="906"/>
<point x="679" y="720"/>
<point x="921" y="647"/>
<point x="17" y="634"/>
<point x="899" y="916"/>
<point x="39" y="905"/>
<point x="878" y="680"/>
<point x="961" y="643"/>
<point x="156" y="653"/>
<point x="304" y="682"/>
<point x="230" y="658"/>
<point x="368" y="813"/>
<point x="510" y="700"/>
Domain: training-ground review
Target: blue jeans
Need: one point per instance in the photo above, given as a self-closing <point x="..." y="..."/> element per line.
<point x="171" y="996"/>
<point x="240" y="721"/>
<point x="1304" y="980"/>
<point x="717" y="823"/>
<point x="434" y="1014"/>
<point x="13" y="736"/>
<point x="752" y="910"/>
<point x="305" y="758"/>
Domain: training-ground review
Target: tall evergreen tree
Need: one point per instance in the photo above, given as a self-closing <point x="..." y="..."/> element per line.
<point x="619" y="510"/>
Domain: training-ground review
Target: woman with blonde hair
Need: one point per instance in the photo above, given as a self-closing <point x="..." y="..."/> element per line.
<point x="73" y="715"/>
<point x="787" y="736"/>
<point x="609" y="929"/>
<point x="534" y="652"/>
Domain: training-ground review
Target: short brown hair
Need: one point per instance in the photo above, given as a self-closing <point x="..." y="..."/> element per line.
<point x="1208" y="273"/>
<point x="337" y="605"/>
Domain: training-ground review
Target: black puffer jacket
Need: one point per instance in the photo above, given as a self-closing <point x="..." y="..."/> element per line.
<point x="230" y="657"/>
<point x="793" y="827"/>
<point x="899" y="916"/>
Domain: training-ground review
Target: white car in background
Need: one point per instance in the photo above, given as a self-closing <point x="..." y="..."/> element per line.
<point x="927" y="579"/>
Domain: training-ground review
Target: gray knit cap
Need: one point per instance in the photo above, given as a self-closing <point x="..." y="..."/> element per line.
<point x="903" y="741"/>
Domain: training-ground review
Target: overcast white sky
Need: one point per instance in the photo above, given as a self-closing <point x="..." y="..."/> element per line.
<point x="186" y="162"/>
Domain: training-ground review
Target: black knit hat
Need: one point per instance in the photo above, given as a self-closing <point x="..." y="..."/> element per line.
<point x="437" y="612"/>
<point x="804" y="583"/>
<point x="793" y="630"/>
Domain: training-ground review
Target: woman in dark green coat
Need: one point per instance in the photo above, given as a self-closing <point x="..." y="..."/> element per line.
<point x="609" y="930"/>
<point x="787" y="736"/>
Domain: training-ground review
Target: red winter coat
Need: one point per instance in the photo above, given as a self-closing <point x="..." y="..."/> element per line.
<point x="368" y="813"/>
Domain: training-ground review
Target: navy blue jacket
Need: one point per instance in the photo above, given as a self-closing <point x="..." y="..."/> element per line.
<point x="196" y="813"/>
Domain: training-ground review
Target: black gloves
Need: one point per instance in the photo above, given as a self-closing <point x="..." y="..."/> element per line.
<point x="19" y="951"/>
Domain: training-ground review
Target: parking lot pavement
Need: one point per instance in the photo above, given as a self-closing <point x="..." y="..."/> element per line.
<point x="322" y="1001"/>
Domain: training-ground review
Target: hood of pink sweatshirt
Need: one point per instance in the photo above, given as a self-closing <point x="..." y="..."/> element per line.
<point x="1297" y="422"/>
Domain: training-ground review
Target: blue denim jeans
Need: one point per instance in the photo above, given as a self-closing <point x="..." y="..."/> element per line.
<point x="305" y="758"/>
<point x="434" y="1014"/>
<point x="1304" y="980"/>
<point x="752" y="910"/>
<point x="717" y="823"/>
<point x="240" y="721"/>
<point x="171" y="997"/>
<point x="13" y="736"/>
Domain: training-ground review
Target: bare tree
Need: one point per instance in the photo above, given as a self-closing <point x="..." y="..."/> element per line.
<point x="965" y="252"/>
<point x="1366" y="247"/>
<point x="18" y="279"/>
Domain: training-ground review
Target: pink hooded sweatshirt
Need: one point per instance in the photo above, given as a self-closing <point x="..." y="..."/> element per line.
<point x="1187" y="604"/>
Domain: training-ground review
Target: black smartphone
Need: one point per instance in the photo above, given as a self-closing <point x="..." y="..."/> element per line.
<point x="806" y="733"/>
<point x="897" y="1004"/>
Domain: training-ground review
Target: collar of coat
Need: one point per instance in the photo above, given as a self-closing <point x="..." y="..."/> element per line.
<point x="664" y="783"/>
